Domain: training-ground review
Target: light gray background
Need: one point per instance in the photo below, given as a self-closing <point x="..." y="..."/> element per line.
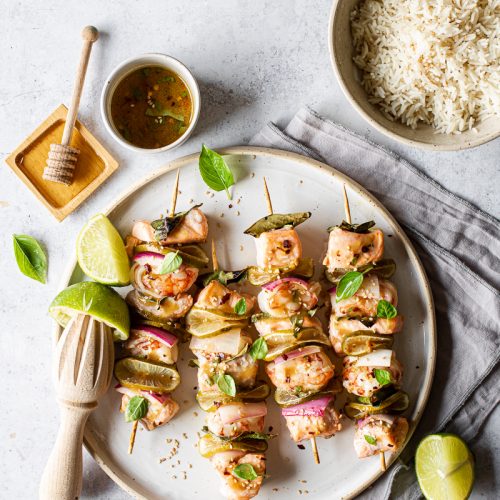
<point x="255" y="61"/>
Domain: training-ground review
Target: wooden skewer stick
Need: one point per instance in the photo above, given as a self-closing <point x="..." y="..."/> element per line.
<point x="348" y="220"/>
<point x="346" y="206"/>
<point x="314" y="446"/>
<point x="132" y="437"/>
<point x="215" y="262"/>
<point x="174" y="194"/>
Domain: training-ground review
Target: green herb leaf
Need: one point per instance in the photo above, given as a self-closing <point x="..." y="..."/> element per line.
<point x="240" y="307"/>
<point x="348" y="285"/>
<point x="245" y="471"/>
<point x="259" y="349"/>
<point x="386" y="310"/>
<point x="276" y="221"/>
<point x="30" y="257"/>
<point x="312" y="312"/>
<point x="370" y="439"/>
<point x="159" y="110"/>
<point x="171" y="263"/>
<point x="297" y="322"/>
<point x="383" y="376"/>
<point x="163" y="227"/>
<point x="224" y="277"/>
<point x="136" y="409"/>
<point x="166" y="78"/>
<point x="214" y="171"/>
<point x="226" y="384"/>
<point x="355" y="228"/>
<point x="194" y="363"/>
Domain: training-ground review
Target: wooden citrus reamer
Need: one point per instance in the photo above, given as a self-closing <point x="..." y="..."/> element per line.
<point x="312" y="440"/>
<point x="63" y="157"/>
<point x="173" y="203"/>
<point x="348" y="220"/>
<point x="83" y="368"/>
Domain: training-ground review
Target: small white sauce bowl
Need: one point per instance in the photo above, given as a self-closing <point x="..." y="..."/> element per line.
<point x="132" y="64"/>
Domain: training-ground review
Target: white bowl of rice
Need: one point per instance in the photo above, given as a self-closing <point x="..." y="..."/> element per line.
<point x="424" y="72"/>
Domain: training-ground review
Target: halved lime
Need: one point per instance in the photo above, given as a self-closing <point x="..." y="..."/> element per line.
<point x="96" y="300"/>
<point x="445" y="467"/>
<point x="146" y="375"/>
<point x="101" y="252"/>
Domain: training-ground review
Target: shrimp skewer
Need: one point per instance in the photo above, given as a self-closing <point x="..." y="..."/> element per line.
<point x="159" y="297"/>
<point x="372" y="368"/>
<point x="290" y="302"/>
<point x="226" y="377"/>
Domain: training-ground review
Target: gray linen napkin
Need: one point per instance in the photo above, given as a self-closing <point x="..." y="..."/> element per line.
<point x="460" y="249"/>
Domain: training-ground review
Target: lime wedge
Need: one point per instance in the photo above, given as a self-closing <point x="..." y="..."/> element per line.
<point x="101" y="252"/>
<point x="94" y="299"/>
<point x="445" y="467"/>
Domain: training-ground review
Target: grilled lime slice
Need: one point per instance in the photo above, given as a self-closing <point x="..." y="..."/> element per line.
<point x="205" y="323"/>
<point x="210" y="401"/>
<point x="209" y="445"/>
<point x="363" y="342"/>
<point x="146" y="375"/>
<point x="445" y="467"/>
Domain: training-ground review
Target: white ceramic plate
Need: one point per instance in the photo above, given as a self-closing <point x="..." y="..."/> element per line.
<point x="296" y="184"/>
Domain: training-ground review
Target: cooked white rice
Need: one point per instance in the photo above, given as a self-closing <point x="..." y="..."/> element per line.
<point x="434" y="61"/>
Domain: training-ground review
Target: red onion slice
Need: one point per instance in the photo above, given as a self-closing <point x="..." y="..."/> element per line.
<point x="163" y="336"/>
<point x="234" y="412"/>
<point x="151" y="258"/>
<point x="314" y="408"/>
<point x="303" y="351"/>
<point x="274" y="284"/>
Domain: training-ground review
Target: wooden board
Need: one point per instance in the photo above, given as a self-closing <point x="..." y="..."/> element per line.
<point x="94" y="164"/>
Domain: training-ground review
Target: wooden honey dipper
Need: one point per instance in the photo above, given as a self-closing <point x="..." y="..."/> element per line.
<point x="83" y="368"/>
<point x="62" y="157"/>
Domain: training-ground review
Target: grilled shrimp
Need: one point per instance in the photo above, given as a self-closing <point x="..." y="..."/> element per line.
<point x="172" y="284"/>
<point x="193" y="228"/>
<point x="278" y="249"/>
<point x="388" y="431"/>
<point x="306" y="427"/>
<point x="217" y="296"/>
<point x="168" y="308"/>
<point x="341" y="327"/>
<point x="161" y="407"/>
<point x="348" y="250"/>
<point x="364" y="302"/>
<point x="232" y="420"/>
<point x="310" y="372"/>
<point x="141" y="345"/>
<point x="232" y="487"/>
<point x="289" y="297"/>
<point x="362" y="381"/>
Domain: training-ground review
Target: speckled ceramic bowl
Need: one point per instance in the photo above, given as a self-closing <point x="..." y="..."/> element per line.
<point x="424" y="136"/>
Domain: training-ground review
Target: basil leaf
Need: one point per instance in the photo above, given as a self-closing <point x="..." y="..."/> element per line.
<point x="226" y="384"/>
<point x="214" y="171"/>
<point x="30" y="257"/>
<point x="240" y="307"/>
<point x="386" y="310"/>
<point x="136" y="409"/>
<point x="355" y="228"/>
<point x="370" y="439"/>
<point x="383" y="376"/>
<point x="171" y="263"/>
<point x="163" y="227"/>
<point x="245" y="471"/>
<point x="259" y="349"/>
<point x="348" y="285"/>
<point x="276" y="221"/>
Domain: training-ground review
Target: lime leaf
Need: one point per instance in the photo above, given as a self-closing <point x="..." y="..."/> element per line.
<point x="171" y="263"/>
<point x="383" y="376"/>
<point x="386" y="310"/>
<point x="136" y="409"/>
<point x="241" y="307"/>
<point x="348" y="285"/>
<point x="259" y="349"/>
<point x="245" y="471"/>
<point x="226" y="384"/>
<point x="214" y="171"/>
<point x="30" y="257"/>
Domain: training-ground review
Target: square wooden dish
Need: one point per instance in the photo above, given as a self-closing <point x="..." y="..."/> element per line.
<point x="94" y="165"/>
